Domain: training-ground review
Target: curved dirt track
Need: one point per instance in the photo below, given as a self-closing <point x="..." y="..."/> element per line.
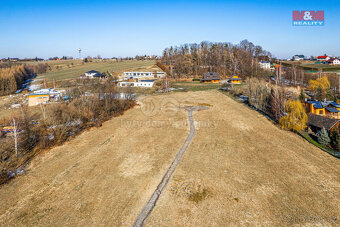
<point x="239" y="169"/>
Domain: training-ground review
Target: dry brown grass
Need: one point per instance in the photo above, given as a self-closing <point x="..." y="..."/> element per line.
<point x="240" y="169"/>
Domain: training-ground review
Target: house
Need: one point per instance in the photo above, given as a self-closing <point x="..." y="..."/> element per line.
<point x="94" y="74"/>
<point x="54" y="94"/>
<point x="334" y="61"/>
<point x="298" y="57"/>
<point x="143" y="75"/>
<point x="317" y="122"/>
<point x="37" y="99"/>
<point x="211" y="78"/>
<point x="325" y="108"/>
<point x="323" y="58"/>
<point x="264" y="64"/>
<point x="234" y="80"/>
<point x="141" y="83"/>
<point x="144" y="83"/>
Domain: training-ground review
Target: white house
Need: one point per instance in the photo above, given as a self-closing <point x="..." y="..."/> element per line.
<point x="94" y="74"/>
<point x="140" y="75"/>
<point x="264" y="64"/>
<point x="298" y="57"/>
<point x="142" y="83"/>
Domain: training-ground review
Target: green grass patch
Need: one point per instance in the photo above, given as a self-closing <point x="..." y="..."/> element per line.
<point x="199" y="196"/>
<point x="306" y="136"/>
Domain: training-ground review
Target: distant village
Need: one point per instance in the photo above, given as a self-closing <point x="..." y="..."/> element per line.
<point x="322" y="59"/>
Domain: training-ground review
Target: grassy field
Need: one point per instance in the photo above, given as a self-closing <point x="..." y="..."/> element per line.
<point x="195" y="86"/>
<point x="310" y="66"/>
<point x="239" y="170"/>
<point x="68" y="71"/>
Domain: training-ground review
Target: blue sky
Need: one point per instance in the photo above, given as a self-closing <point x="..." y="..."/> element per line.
<point x="127" y="28"/>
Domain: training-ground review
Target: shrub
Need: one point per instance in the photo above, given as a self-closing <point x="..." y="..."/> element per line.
<point x="323" y="137"/>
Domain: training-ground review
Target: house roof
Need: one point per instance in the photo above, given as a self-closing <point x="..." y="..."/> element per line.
<point x="38" y="94"/>
<point x="332" y="109"/>
<point x="335" y="104"/>
<point x="211" y="76"/>
<point x="332" y="59"/>
<point x="99" y="75"/>
<point x="320" y="105"/>
<point x="321" y="122"/>
<point x="147" y="80"/>
<point x="322" y="57"/>
<point x="234" y="77"/>
<point x="316" y="104"/>
<point x="93" y="71"/>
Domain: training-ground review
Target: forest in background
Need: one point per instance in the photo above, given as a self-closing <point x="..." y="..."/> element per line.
<point x="225" y="58"/>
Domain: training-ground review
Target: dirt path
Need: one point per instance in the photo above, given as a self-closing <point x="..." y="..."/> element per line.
<point x="147" y="209"/>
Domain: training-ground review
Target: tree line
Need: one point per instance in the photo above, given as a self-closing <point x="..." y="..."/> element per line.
<point x="13" y="76"/>
<point x="222" y="57"/>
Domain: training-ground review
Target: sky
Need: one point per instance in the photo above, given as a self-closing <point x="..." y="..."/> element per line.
<point x="47" y="28"/>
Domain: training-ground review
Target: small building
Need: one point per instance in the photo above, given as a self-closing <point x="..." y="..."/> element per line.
<point x="37" y="99"/>
<point x="143" y="75"/>
<point x="317" y="122"/>
<point x="211" y="78"/>
<point x="94" y="74"/>
<point x="141" y="83"/>
<point x="234" y="80"/>
<point x="323" y="58"/>
<point x="264" y="64"/>
<point x="298" y="57"/>
<point x="334" y="61"/>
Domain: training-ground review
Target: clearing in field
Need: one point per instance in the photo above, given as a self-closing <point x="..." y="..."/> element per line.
<point x="239" y="169"/>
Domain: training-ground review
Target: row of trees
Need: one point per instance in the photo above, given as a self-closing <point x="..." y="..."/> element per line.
<point x="225" y="58"/>
<point x="13" y="76"/>
<point x="273" y="101"/>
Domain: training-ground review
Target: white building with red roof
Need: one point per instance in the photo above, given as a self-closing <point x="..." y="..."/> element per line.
<point x="323" y="58"/>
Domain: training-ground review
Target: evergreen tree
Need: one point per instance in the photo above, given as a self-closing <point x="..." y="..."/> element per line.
<point x="319" y="93"/>
<point x="335" y="138"/>
<point x="323" y="137"/>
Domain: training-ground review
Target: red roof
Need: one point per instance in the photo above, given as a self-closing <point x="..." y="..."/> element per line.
<point x="322" y="57"/>
<point x="332" y="59"/>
